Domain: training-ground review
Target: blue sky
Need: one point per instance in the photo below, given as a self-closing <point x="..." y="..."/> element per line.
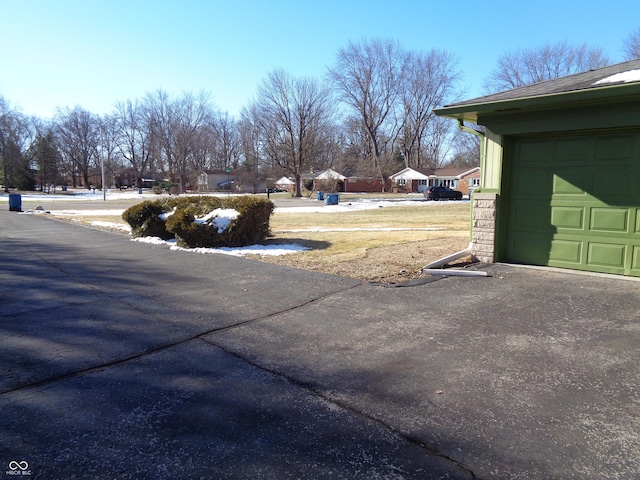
<point x="59" y="53"/>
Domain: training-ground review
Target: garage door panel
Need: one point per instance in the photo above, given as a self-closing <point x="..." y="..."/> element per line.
<point x="530" y="216"/>
<point x="635" y="263"/>
<point x="615" y="185"/>
<point x="566" y="182"/>
<point x="529" y="248"/>
<point x="608" y="220"/>
<point x="532" y="151"/>
<point x="571" y="150"/>
<point x="606" y="255"/>
<point x="530" y="184"/>
<point x="569" y="251"/>
<point x="567" y="217"/>
<point x="615" y="147"/>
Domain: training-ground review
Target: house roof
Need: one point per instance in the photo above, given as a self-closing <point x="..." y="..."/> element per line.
<point x="327" y="174"/>
<point x="284" y="181"/>
<point x="426" y="173"/>
<point x="455" y="172"/>
<point x="606" y="84"/>
<point x="412" y="174"/>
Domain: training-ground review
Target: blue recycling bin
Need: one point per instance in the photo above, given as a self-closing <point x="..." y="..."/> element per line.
<point x="15" y="202"/>
<point x="333" y="199"/>
<point x="320" y="196"/>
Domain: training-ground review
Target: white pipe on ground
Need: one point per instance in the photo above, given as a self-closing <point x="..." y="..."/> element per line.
<point x="449" y="259"/>
<point x="456" y="273"/>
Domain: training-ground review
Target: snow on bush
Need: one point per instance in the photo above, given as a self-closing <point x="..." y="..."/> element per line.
<point x="219" y="218"/>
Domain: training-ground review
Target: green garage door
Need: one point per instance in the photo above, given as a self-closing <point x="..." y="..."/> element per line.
<point x="574" y="202"/>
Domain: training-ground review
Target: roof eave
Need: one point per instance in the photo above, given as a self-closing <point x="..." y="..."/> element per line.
<point x="469" y="112"/>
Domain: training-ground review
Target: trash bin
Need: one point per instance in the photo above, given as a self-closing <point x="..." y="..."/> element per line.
<point x="320" y="196"/>
<point x="140" y="191"/>
<point x="15" y="202"/>
<point x="333" y="199"/>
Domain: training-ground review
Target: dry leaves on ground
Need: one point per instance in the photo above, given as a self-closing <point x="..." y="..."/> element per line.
<point x="390" y="264"/>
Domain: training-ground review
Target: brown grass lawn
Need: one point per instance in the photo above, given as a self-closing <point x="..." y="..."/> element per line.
<point x="362" y="244"/>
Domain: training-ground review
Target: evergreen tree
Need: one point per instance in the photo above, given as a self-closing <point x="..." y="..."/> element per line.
<point x="46" y="157"/>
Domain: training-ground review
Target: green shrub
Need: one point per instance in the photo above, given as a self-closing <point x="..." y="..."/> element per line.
<point x="144" y="219"/>
<point x="252" y="225"/>
<point x="249" y="227"/>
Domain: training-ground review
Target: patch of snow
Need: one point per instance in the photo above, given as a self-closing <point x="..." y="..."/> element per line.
<point x="338" y="229"/>
<point x="357" y="205"/>
<point x="88" y="213"/>
<point x="625" y="77"/>
<point x="163" y="216"/>
<point x="35" y="211"/>
<point x="219" y="218"/>
<point x="153" y="240"/>
<point x="263" y="250"/>
<point x="116" y="226"/>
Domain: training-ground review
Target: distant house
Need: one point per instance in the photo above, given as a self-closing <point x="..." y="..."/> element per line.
<point x="234" y="181"/>
<point x="358" y="182"/>
<point x="328" y="180"/>
<point x="410" y="180"/>
<point x="350" y="181"/>
<point x="285" y="183"/>
<point x="215" y="180"/>
<point x="127" y="178"/>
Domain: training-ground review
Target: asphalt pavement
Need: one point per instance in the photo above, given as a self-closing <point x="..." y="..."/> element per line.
<point x="126" y="360"/>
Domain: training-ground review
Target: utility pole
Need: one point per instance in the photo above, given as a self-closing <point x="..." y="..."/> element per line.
<point x="104" y="188"/>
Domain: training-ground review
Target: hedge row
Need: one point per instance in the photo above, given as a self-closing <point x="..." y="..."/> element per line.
<point x="175" y="218"/>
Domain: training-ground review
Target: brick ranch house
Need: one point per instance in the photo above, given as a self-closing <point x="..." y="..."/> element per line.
<point x="330" y="180"/>
<point x="410" y="180"/>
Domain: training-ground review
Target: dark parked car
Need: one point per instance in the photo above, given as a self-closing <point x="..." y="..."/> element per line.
<point x="436" y="193"/>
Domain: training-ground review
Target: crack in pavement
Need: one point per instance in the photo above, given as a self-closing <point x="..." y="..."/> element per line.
<point x="159" y="348"/>
<point x="314" y="390"/>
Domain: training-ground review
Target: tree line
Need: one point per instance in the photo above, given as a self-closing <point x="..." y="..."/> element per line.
<point x="371" y="115"/>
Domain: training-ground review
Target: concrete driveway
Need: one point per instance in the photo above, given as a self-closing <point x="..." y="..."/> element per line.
<point x="126" y="360"/>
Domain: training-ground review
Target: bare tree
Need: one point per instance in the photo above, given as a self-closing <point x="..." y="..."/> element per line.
<point x="632" y="45"/>
<point x="527" y="66"/>
<point x="430" y="81"/>
<point x="251" y="151"/>
<point x="133" y="136"/>
<point x="292" y="115"/>
<point x="78" y="138"/>
<point x="110" y="152"/>
<point x="203" y="156"/>
<point x="466" y="150"/>
<point x="368" y="78"/>
<point x="227" y="140"/>
<point x="176" y="123"/>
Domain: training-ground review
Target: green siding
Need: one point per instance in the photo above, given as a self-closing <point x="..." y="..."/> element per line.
<point x="573" y="201"/>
